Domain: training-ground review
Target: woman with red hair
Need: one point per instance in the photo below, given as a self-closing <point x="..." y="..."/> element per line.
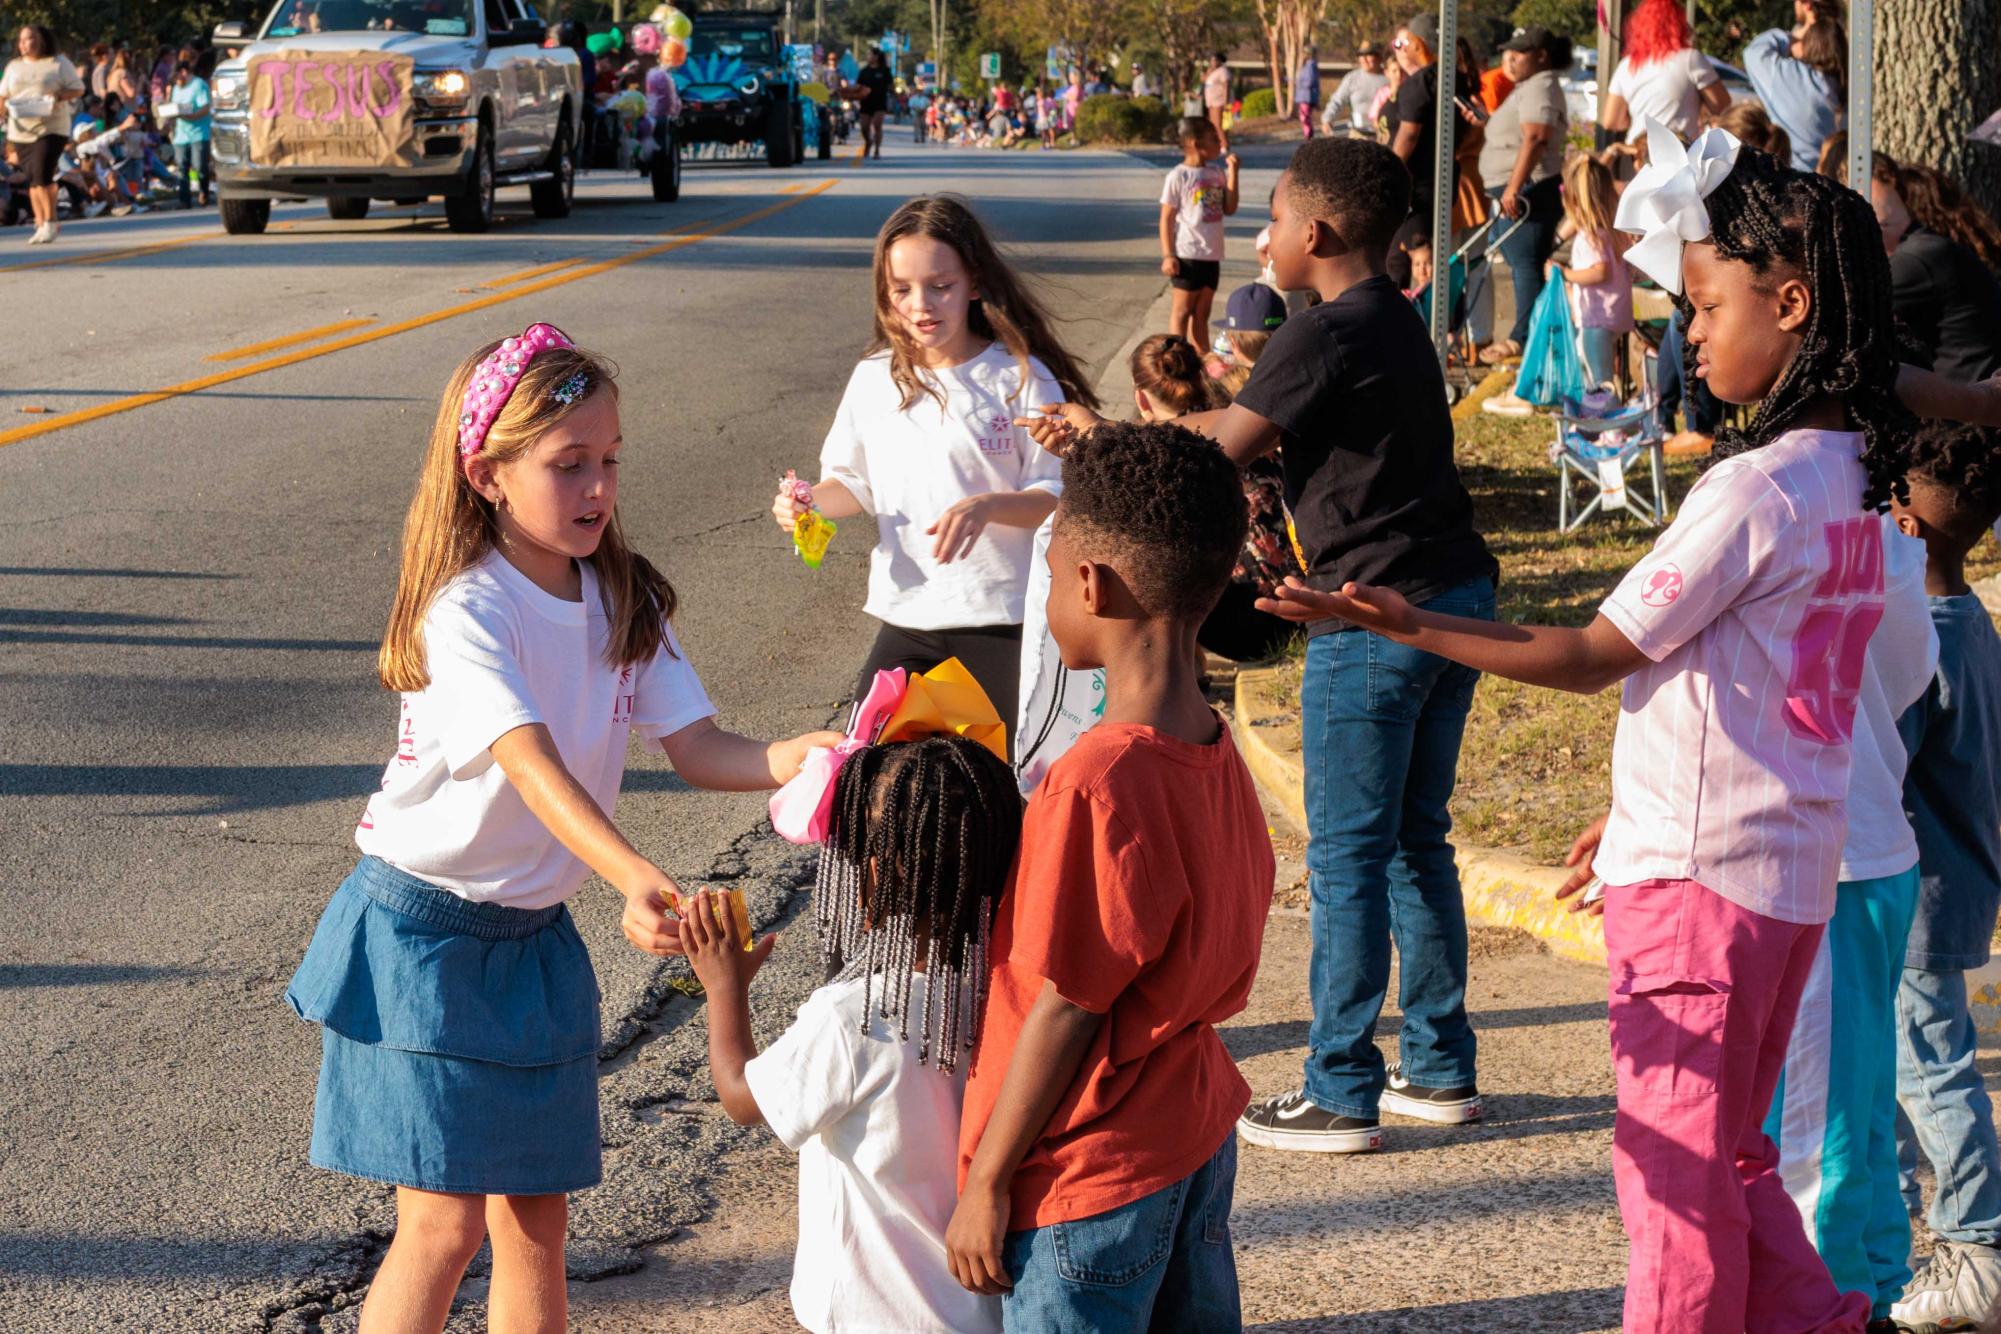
<point x="1661" y="76"/>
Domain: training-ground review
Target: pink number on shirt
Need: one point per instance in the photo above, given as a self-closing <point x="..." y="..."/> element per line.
<point x="1830" y="648"/>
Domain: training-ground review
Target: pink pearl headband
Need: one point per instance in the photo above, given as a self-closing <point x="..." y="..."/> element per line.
<point x="494" y="381"/>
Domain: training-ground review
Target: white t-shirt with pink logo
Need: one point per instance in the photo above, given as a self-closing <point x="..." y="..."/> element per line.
<point x="1732" y="758"/>
<point x="502" y="654"/>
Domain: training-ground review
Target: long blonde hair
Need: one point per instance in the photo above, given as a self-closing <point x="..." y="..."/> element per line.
<point x="1588" y="196"/>
<point x="1006" y="311"/>
<point x="451" y="527"/>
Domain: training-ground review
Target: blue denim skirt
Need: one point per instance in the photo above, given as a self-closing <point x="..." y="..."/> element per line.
<point x="458" y="1040"/>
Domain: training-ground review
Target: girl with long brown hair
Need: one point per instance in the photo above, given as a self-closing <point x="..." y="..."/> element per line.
<point x="456" y="1001"/>
<point x="926" y="441"/>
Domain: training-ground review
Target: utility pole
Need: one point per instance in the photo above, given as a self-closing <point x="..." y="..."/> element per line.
<point x="1861" y="94"/>
<point x="1442" y="178"/>
<point x="819" y="14"/>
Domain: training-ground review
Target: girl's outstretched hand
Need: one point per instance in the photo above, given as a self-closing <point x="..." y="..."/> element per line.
<point x="1056" y="426"/>
<point x="785" y="508"/>
<point x="788" y="756"/>
<point x="1382" y="610"/>
<point x="647" y="924"/>
<point x="717" y="956"/>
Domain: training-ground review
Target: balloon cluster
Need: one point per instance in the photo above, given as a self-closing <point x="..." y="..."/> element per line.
<point x="675" y="27"/>
<point x="645" y="39"/>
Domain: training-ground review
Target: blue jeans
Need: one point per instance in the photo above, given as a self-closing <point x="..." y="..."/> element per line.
<point x="1162" y="1263"/>
<point x="191" y="161"/>
<point x="1944" y="1109"/>
<point x="1528" y="247"/>
<point x="1699" y="407"/>
<point x="1381" y="729"/>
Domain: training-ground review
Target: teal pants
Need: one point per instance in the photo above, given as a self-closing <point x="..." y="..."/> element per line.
<point x="1834" y="1117"/>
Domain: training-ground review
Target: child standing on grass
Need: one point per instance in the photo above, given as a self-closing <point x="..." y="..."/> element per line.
<point x="1194" y="199"/>
<point x="1601" y="286"/>
<point x="926" y="442"/>
<point x="1096" y="1161"/>
<point x="456" y="1002"/>
<point x="919" y="846"/>
<point x="1741" y="640"/>
<point x="1953" y="797"/>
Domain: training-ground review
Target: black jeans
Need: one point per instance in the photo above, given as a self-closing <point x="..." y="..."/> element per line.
<point x="1529" y="246"/>
<point x="1698" y="406"/>
<point x="992" y="653"/>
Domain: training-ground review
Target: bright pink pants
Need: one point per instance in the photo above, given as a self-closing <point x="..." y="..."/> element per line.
<point x="1703" y="995"/>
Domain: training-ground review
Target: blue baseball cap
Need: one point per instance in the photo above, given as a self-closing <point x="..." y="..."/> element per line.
<point x="1254" y="308"/>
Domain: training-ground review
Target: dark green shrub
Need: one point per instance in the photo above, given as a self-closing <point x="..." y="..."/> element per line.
<point x="1110" y="118"/>
<point x="1260" y="102"/>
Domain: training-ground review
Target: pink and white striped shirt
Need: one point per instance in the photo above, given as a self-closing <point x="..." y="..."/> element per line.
<point x="1731" y="763"/>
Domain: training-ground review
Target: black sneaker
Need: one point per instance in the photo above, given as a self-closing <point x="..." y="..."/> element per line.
<point x="1447" y="1107"/>
<point x="1289" y="1121"/>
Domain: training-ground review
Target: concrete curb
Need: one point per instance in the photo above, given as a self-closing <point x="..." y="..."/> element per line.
<point x="1500" y="888"/>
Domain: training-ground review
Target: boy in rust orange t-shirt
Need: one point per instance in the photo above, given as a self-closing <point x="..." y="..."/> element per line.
<point x="1100" y="1097"/>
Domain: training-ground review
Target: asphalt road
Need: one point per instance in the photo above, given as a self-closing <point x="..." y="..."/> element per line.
<point x="191" y="590"/>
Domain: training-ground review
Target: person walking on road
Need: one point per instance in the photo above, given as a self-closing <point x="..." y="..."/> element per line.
<point x="873" y="83"/>
<point x="1306" y="91"/>
<point x="189" y="98"/>
<point x="457" y="1005"/>
<point x="1351" y="109"/>
<point x="1216" y="97"/>
<point x="38" y="89"/>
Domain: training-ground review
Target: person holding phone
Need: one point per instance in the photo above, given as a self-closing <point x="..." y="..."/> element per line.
<point x="1521" y="166"/>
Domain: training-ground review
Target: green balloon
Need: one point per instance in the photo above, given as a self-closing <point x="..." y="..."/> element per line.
<point x="597" y="43"/>
<point x="617" y="40"/>
<point x="679" y="25"/>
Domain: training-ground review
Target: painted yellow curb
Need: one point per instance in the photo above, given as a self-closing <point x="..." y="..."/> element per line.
<point x="1500" y="889"/>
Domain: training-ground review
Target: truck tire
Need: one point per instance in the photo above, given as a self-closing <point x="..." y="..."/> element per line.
<point x="471" y="210"/>
<point x="778" y="135"/>
<point x="552" y="199"/>
<point x="245" y="217"/>
<point x="666" y="168"/>
<point x="347" y="210"/>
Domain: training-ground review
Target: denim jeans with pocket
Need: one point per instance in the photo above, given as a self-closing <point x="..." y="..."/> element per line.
<point x="1527" y="243"/>
<point x="1945" y="1109"/>
<point x="1162" y="1264"/>
<point x="1381" y="724"/>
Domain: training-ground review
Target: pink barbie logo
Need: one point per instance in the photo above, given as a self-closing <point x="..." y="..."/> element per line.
<point x="621" y="705"/>
<point x="1663" y="586"/>
<point x="354" y="88"/>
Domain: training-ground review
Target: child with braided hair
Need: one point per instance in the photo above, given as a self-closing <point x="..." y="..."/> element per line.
<point x="921" y="837"/>
<point x="1741" y="642"/>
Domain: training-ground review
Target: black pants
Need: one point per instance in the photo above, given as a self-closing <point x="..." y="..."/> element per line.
<point x="1237" y="630"/>
<point x="992" y="653"/>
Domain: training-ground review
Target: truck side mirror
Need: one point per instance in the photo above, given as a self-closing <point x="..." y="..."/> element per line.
<point x="232" y="31"/>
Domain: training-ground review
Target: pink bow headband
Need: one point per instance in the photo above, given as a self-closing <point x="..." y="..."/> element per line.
<point x="494" y="381"/>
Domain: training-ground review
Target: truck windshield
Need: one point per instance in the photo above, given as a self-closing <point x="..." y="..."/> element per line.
<point x="753" y="46"/>
<point x="438" y="18"/>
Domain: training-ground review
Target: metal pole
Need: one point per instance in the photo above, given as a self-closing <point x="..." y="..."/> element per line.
<point x="1441" y="176"/>
<point x="819" y="6"/>
<point x="1861" y="93"/>
<point x="1611" y="35"/>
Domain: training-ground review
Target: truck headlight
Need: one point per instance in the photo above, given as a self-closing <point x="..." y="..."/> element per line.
<point x="749" y="84"/>
<point x="228" y="90"/>
<point x="449" y="85"/>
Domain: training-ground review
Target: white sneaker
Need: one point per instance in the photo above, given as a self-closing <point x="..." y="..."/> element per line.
<point x="1959" y="1290"/>
<point x="43" y="235"/>
<point x="1508" y="405"/>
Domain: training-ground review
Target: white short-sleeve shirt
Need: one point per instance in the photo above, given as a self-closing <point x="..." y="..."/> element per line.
<point x="1668" y="89"/>
<point x="877" y="1136"/>
<point x="1903" y="654"/>
<point x="908" y="466"/>
<point x="502" y="653"/>
<point x="1732" y="759"/>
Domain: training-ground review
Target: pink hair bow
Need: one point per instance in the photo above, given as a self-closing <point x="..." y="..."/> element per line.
<point x="802" y="810"/>
<point x="494" y="380"/>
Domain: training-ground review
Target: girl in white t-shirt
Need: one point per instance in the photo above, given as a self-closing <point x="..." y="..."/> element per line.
<point x="918" y="851"/>
<point x="1741" y="640"/>
<point x="926" y="441"/>
<point x="457" y="1005"/>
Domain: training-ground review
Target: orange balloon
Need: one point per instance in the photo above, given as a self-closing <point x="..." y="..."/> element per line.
<point x="675" y="54"/>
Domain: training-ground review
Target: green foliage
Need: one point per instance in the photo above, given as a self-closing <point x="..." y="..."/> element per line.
<point x="1260" y="102"/>
<point x="1108" y="118"/>
<point x="1575" y="19"/>
<point x="78" y="23"/>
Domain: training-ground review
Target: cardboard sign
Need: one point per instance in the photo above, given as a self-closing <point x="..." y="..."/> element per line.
<point x="332" y="109"/>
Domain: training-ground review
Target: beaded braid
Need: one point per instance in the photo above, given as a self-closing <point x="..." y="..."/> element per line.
<point x="1764" y="214"/>
<point x="922" y="836"/>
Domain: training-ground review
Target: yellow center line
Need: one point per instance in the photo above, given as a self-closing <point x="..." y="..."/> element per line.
<point x="107" y="256"/>
<point x="525" y="275"/>
<point x="289" y="340"/>
<point x="695" y="232"/>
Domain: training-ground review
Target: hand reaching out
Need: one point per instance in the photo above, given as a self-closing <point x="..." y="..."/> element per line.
<point x="1056" y="426"/>
<point x="785" y="507"/>
<point x="714" y="951"/>
<point x="1382" y="610"/>
<point x="647" y="924"/>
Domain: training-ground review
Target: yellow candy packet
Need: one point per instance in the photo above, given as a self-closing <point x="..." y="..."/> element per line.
<point x="811" y="532"/>
<point x="739" y="912"/>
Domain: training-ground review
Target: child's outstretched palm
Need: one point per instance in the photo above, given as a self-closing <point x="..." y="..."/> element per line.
<point x="714" y="949"/>
<point x="1382" y="610"/>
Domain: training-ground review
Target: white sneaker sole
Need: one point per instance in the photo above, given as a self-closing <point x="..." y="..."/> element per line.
<point x="1438" y="1113"/>
<point x="1301" y="1141"/>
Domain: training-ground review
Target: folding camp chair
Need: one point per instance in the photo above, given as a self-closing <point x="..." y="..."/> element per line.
<point x="1600" y="442"/>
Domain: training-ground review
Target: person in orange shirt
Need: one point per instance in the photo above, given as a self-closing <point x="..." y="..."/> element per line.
<point x="1101" y="1098"/>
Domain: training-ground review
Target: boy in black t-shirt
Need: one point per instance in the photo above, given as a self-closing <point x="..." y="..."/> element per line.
<point x="1352" y="389"/>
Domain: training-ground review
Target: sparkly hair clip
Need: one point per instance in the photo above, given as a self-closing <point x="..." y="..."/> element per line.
<point x="493" y="381"/>
<point x="572" y="389"/>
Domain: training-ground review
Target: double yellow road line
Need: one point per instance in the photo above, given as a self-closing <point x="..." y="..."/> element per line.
<point x="518" y="286"/>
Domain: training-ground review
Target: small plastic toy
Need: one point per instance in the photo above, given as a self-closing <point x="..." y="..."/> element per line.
<point x="811" y="531"/>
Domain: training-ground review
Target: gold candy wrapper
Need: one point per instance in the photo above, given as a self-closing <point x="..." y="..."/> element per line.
<point x="739" y="912"/>
<point x="811" y="532"/>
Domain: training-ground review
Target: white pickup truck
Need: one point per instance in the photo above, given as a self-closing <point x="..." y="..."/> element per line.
<point x="404" y="100"/>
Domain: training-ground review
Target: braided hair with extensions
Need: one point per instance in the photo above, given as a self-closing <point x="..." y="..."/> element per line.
<point x="1770" y="217"/>
<point x="918" y="850"/>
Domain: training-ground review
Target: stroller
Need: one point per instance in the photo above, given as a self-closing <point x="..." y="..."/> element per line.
<point x="1467" y="275"/>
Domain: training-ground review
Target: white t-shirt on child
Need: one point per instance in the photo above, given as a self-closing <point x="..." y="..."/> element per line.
<point x="908" y="467"/>
<point x="1732" y="758"/>
<point x="877" y="1136"/>
<point x="502" y="653"/>
<point x="1903" y="654"/>
<point x="1197" y="195"/>
<point x="1669" y="90"/>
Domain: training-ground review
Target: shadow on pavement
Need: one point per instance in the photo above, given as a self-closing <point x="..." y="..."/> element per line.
<point x="84" y="572"/>
<point x="28" y="975"/>
<point x="230" y="788"/>
<point x="1575" y="1312"/>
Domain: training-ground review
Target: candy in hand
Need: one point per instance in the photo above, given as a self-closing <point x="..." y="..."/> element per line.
<point x="732" y="902"/>
<point x="811" y="531"/>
